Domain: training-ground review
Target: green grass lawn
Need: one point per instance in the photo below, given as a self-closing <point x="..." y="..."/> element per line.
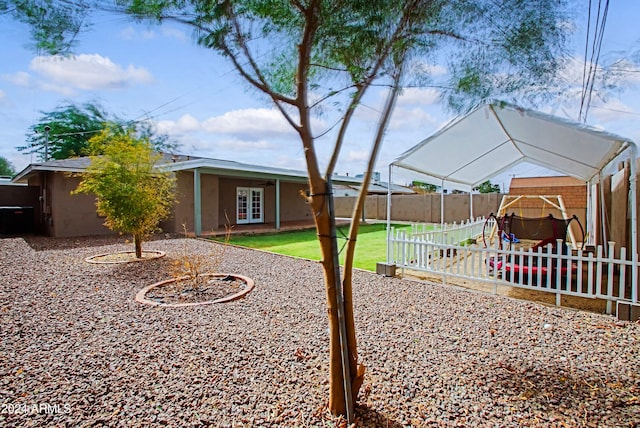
<point x="370" y="249"/>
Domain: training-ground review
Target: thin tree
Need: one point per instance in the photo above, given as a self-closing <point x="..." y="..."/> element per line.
<point x="131" y="192"/>
<point x="308" y="55"/>
<point x="65" y="132"/>
<point x="487" y="187"/>
<point x="6" y="167"/>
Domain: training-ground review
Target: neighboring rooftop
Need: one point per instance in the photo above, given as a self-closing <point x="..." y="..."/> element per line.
<point x="185" y="163"/>
<point x="5" y="180"/>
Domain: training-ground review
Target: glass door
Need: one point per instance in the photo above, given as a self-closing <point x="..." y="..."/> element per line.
<point x="242" y="205"/>
<point x="257" y="210"/>
<point x="249" y="205"/>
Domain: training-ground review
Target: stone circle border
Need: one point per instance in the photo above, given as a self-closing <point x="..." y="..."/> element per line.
<point x="90" y="259"/>
<point x="140" y="296"/>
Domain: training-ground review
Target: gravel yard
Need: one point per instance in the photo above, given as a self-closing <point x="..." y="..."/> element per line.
<point x="77" y="350"/>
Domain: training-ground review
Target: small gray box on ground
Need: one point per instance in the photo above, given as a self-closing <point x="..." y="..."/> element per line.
<point x="626" y="311"/>
<point x="385" y="269"/>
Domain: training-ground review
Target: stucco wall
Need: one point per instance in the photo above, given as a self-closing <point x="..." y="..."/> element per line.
<point x="183" y="210"/>
<point x="210" y="195"/>
<point x="67" y="215"/>
<point x="292" y="205"/>
<point x="72" y="215"/>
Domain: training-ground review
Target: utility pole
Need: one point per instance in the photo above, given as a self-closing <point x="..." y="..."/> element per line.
<point x="47" y="128"/>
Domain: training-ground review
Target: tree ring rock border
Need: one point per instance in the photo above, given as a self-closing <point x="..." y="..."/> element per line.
<point x="250" y="285"/>
<point x="152" y="254"/>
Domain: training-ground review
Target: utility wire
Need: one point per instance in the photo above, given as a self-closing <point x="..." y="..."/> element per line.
<point x="588" y="77"/>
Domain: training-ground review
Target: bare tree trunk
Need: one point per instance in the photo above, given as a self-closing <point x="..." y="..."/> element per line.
<point x="320" y="207"/>
<point x="357" y="370"/>
<point x="137" y="241"/>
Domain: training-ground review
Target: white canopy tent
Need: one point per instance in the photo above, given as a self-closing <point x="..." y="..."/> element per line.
<point x="496" y="136"/>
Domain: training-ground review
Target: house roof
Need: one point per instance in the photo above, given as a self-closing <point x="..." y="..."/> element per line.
<point x="496" y="136"/>
<point x="376" y="187"/>
<point x="188" y="163"/>
<point x="64" y="165"/>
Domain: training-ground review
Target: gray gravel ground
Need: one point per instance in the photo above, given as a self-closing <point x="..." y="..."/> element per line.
<point x="76" y="350"/>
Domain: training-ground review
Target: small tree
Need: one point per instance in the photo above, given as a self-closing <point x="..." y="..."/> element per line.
<point x="487" y="187"/>
<point x="66" y="131"/>
<point x="422" y="187"/>
<point x="6" y="168"/>
<point x="132" y="193"/>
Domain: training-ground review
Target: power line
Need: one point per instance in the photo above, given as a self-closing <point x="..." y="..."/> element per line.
<point x="616" y="110"/>
<point x="588" y="77"/>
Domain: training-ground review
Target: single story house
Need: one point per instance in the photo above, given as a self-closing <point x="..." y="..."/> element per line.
<point x="208" y="192"/>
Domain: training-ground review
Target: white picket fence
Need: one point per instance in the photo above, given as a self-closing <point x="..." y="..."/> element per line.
<point x="449" y="232"/>
<point x="591" y="275"/>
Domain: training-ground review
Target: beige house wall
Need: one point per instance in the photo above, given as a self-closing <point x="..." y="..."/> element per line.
<point x="70" y="215"/>
<point x="66" y="215"/>
<point x="183" y="210"/>
<point x="292" y="204"/>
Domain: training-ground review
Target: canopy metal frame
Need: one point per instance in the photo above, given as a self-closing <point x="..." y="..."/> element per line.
<point x="496" y="136"/>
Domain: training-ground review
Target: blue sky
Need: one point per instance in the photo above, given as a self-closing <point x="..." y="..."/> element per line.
<point x="138" y="71"/>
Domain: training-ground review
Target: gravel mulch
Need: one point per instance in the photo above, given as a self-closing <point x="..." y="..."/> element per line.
<point x="77" y="350"/>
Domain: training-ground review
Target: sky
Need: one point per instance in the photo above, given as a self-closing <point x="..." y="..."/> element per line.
<point x="138" y="71"/>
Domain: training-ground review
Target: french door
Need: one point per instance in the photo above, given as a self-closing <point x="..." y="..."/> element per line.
<point x="249" y="205"/>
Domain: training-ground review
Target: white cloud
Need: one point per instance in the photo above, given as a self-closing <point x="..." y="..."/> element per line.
<point x="410" y="119"/>
<point x="417" y="96"/>
<point x="419" y="68"/>
<point x="250" y="123"/>
<point x="2" y="94"/>
<point x="19" y="79"/>
<point x="289" y="161"/>
<point x="358" y="156"/>
<point x="402" y="116"/>
<point x="53" y="87"/>
<point x="435" y="69"/>
<point x="247" y="124"/>
<point x="235" y="144"/>
<point x="128" y="33"/>
<point x="247" y="120"/>
<point x="131" y="33"/>
<point x="252" y="145"/>
<point x="86" y="72"/>
<point x="185" y="123"/>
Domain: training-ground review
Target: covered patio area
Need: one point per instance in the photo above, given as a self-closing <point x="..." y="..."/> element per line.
<point x="490" y="140"/>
